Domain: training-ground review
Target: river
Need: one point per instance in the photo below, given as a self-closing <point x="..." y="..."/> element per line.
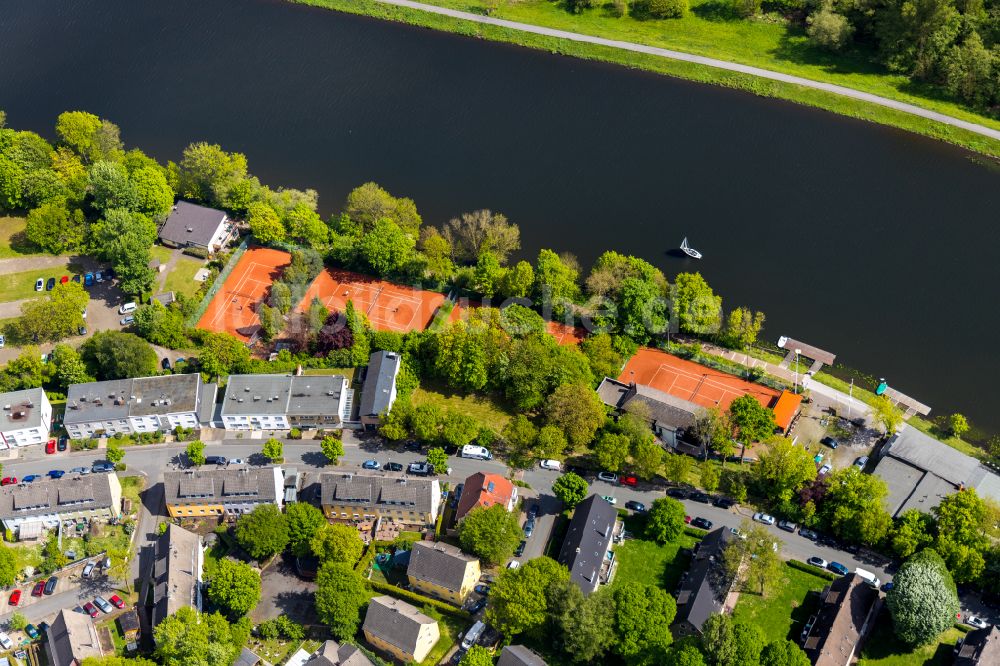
<point x="873" y="243"/>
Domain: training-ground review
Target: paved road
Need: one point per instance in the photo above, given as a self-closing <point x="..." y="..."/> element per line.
<point x="702" y="60"/>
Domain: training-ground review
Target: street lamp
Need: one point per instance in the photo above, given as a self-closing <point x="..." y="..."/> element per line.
<point x="796" y="385"/>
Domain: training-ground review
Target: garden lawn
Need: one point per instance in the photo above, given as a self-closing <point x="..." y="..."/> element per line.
<point x="450" y="628"/>
<point x="12" y="240"/>
<point x="788" y="604"/>
<point x="883" y="648"/>
<point x="649" y="563"/>
<point x="17" y="286"/>
<point x="132" y="486"/>
<point x="161" y="253"/>
<point x="180" y="279"/>
<point x="482" y="408"/>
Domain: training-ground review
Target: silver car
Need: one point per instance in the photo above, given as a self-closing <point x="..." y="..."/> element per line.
<point x="103" y="604"/>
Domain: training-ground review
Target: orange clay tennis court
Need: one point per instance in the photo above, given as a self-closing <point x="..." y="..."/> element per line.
<point x="566" y="334"/>
<point x="234" y="308"/>
<point x="690" y="381"/>
<point x="390" y="307"/>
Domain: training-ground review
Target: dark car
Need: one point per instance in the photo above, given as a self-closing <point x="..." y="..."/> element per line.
<point x="102" y="467"/>
<point x="704" y="498"/>
<point x="808" y="534"/>
<point x="787" y="525"/>
<point x="37" y="590"/>
<point x="63" y="443"/>
<point x="482" y="589"/>
<point x="519" y="551"/>
<point x="76" y="278"/>
<point x="677" y="493"/>
<point x="43" y="627"/>
<point x="701" y="523"/>
<point x="32" y="632"/>
<point x="50" y="284"/>
<point x="210" y="460"/>
<point x="478" y="606"/>
<point x="81" y="330"/>
<point x="838" y="568"/>
<point x="30" y="478"/>
<point x="724" y="502"/>
<point x="533" y="512"/>
<point x="165" y="363"/>
<point x="109" y="273"/>
<point x="638" y="507"/>
<point x="412" y="445"/>
<point x="50" y="585"/>
<point x="393" y="467"/>
<point x="830" y="441"/>
<point x="91" y="609"/>
<point x="56" y="473"/>
<point x="529" y="528"/>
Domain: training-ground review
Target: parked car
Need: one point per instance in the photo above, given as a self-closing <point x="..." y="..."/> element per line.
<point x="817" y="562"/>
<point x="210" y="460"/>
<point x="638" y="507"/>
<point x="513" y="564"/>
<point x="860" y="462"/>
<point x="81" y="330"/>
<point x="32" y="632"/>
<point x="63" y="443"/>
<point x="76" y="278"/>
<point x="687" y="519"/>
<point x="677" y="493"/>
<point x="519" y="551"/>
<point x="533" y="512"/>
<point x="165" y="363"/>
<point x="808" y="534"/>
<point x="529" y="528"/>
<point x="482" y="589"/>
<point x="37" y="590"/>
<point x="824" y="470"/>
<point x="127" y="321"/>
<point x="701" y="523"/>
<point x="116" y="601"/>
<point x="50" y="446"/>
<point x="64" y="279"/>
<point x="103" y="604"/>
<point x="787" y="525"/>
<point x="80" y="470"/>
<point x="56" y="473"/>
<point x="550" y="464"/>
<point x="830" y="441"/>
<point x="610" y="477"/>
<point x="5" y="641"/>
<point x="98" y="277"/>
<point x="39" y="284"/>
<point x="91" y="609"/>
<point x="838" y="568"/>
<point x="89" y="569"/>
<point x="30" y="478"/>
<point x="50" y="284"/>
<point x="763" y="518"/>
<point x="724" y="502"/>
<point x="393" y="467"/>
<point x="976" y="621"/>
<point x="735" y="531"/>
<point x="419" y="469"/>
<point x="370" y="464"/>
<point x="3" y="341"/>
<point x="88" y="279"/>
<point x="15" y="598"/>
<point x="102" y="467"/>
<point x="704" y="498"/>
<point x="630" y="480"/>
<point x="8" y="480"/>
<point x="478" y="606"/>
<point x="43" y="627"/>
<point x="609" y="499"/>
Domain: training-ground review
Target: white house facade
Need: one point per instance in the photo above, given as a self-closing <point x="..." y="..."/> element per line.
<point x="26" y="419"/>
<point x="282" y="402"/>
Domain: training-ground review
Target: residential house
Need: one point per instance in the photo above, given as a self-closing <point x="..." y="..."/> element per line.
<point x="28" y="508"/>
<point x="485" y="490"/>
<point x="248" y="657"/>
<point x="399" y="629"/>
<point x="222" y="492"/>
<point x="920" y="471"/>
<point x="586" y="550"/>
<point x="702" y="592"/>
<point x="282" y="402"/>
<point x="352" y="496"/>
<point x="669" y="415"/>
<point x="848" y="607"/>
<point x="139" y="405"/>
<point x="980" y="647"/>
<point x="72" y="637"/>
<point x="443" y="571"/>
<point x="379" y="392"/>
<point x="176" y="576"/>
<point x="519" y="655"/>
<point x="26" y="418"/>
<point x="194" y="226"/>
<point x="330" y="653"/>
<point x="128" y="621"/>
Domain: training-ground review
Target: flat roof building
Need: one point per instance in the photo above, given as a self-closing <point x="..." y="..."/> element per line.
<point x="26" y="418"/>
<point x="222" y="492"/>
<point x="282" y="402"/>
<point x="586" y="550"/>
<point x="379" y="392"/>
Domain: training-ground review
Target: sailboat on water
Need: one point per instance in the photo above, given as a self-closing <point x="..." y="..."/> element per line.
<point x="688" y="250"/>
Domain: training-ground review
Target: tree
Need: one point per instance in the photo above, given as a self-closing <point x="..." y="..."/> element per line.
<point x="923" y="601"/>
<point x="332" y="448"/>
<point x="605" y="360"/>
<point x="114" y="453"/>
<point x="273" y="450"/>
<point x="742" y="327"/>
<point x="386" y="249"/>
<point x="235" y="587"/>
<point x="477" y="655"/>
<point x="119" y="229"/>
<point x="685" y="655"/>
<point x="438" y="459"/>
<point x="914" y="531"/>
<point x="967" y="71"/>
<point x="458" y="429"/>
<point x="886" y="414"/>
<point x="571" y="489"/>
<point x="958" y="425"/>
<point x="643" y="614"/>
<point x="482" y="230"/>
<point x="642" y="309"/>
<point x="437" y="253"/>
<point x="710" y="477"/>
<point x="666" y="520"/>
<point x="425" y="422"/>
<point x="55" y="315"/>
<point x="853" y="506"/>
<point x="491" y="533"/>
<point x="118" y="355"/>
<point x="340" y="594"/>
<point x="394" y="426"/>
<point x="369" y="203"/>
<point x="577" y="410"/>
<point x="696" y="308"/>
<point x="209" y="174"/>
<point x="265" y="225"/>
<point x="8" y="566"/>
<point x="676" y="467"/>
<point x="551" y="442"/>
<point x="749" y="420"/>
<point x="520" y="598"/>
<point x="196" y="452"/>
<point x="130" y="256"/>
<point x="555" y="282"/>
<point x="70" y="368"/>
<point x="337" y="543"/>
<point x="152" y="193"/>
<point x="520" y="435"/>
<point x="305" y="226"/>
<point x="222" y="354"/>
<point x="829" y="30"/>
<point x="647" y="457"/>
<point x="23" y="372"/>
<point x="517" y="280"/>
<point x="728" y="643"/>
<point x="784" y="468"/>
<point x="263" y="532"/>
<point x="611" y="451"/>
<point x="304" y="521"/>
<point x="962" y="520"/>
<point x="488" y="276"/>
<point x="586" y="624"/>
<point x="783" y="653"/>
<point x="163" y="325"/>
<point x="89" y="136"/>
<point x="55" y="228"/>
<point x="666" y="8"/>
<point x="754" y="557"/>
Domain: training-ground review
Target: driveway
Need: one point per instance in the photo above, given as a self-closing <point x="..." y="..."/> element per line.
<point x="284" y="593"/>
<point x="549" y="509"/>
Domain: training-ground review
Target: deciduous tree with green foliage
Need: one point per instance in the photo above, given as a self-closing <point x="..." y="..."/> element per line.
<point x="853" y="506"/>
<point x="696" y="308"/>
<point x="783" y="653"/>
<point x="962" y="521"/>
<point x="742" y="328"/>
<point x="555" y="283"/>
<point x="491" y="533"/>
<point x="753" y="558"/>
<point x="340" y="594"/>
<point x="273" y="450"/>
<point x="118" y="355"/>
<point x="55" y="228"/>
<point x="958" y="425"/>
<point x="234" y="586"/>
<point x="304" y="521"/>
<point x="923" y="601"/>
<point x="483" y="230"/>
<point x="477" y="655"/>
<point x="666" y="520"/>
<point x="265" y="224"/>
<point x="612" y="450"/>
<point x="458" y="428"/>
<point x="263" y="532"/>
<point x="70" y="368"/>
<point x="54" y="315"/>
<point x="187" y="637"/>
<point x="643" y="614"/>
<point x="886" y="414"/>
<point x="749" y="420"/>
<point x="577" y="410"/>
<point x="710" y="478"/>
<point x="586" y="624"/>
<point x="605" y="360"/>
<point x="222" y="354"/>
<point x="685" y="655"/>
<point x="369" y="203"/>
<point x="571" y="489"/>
<point x="195" y="452"/>
<point x="332" y="448"/>
<point x="337" y="543"/>
<point x="913" y="531"/>
<point x="386" y="249"/>
<point x="438" y="459"/>
<point x="114" y="453"/>
<point x="8" y="566"/>
<point x="784" y="468"/>
<point x="520" y="599"/>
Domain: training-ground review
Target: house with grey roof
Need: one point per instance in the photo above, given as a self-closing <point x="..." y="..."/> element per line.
<point x="702" y="592"/>
<point x="331" y="653"/>
<point x="587" y="549"/>
<point x="205" y="492"/>
<point x="379" y="392"/>
<point x="443" y="571"/>
<point x="848" y="608"/>
<point x="71" y="638"/>
<point x="980" y="647"/>
<point x="920" y="471"/>
<point x="669" y="416"/>
<point x="519" y="655"/>
<point x="137" y="405"/>
<point x="26" y="418"/>
<point x="42" y="504"/>
<point x="248" y="657"/>
<point x="399" y="629"/>
<point x="282" y="402"/>
<point x="194" y="226"/>
<point x="176" y="575"/>
<point x="351" y="496"/>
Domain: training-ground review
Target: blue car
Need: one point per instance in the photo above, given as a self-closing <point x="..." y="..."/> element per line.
<point x="56" y="473"/>
<point x="30" y="478"/>
<point x="370" y="464"/>
<point x="88" y="279"/>
<point x="838" y="568"/>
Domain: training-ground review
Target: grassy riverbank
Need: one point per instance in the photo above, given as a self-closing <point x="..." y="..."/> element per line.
<point x="758" y="43"/>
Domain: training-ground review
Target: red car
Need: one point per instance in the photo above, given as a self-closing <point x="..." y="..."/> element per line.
<point x="91" y="609"/>
<point x="15" y="598"/>
<point x="117" y="601"/>
<point x="687" y="519"/>
<point x="8" y="480"/>
<point x="64" y="279"/>
<point x="37" y="590"/>
<point x="50" y="446"/>
<point x="630" y="481"/>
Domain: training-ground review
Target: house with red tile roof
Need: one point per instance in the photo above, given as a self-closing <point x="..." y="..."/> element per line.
<point x="485" y="490"/>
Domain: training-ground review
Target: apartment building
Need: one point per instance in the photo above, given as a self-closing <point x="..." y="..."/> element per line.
<point x="350" y="496"/>
<point x="221" y="492"/>
<point x="282" y="402"/>
<point x="26" y="418"/>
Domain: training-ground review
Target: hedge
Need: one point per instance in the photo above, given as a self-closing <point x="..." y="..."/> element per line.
<point x="808" y="568"/>
<point x="419" y="599"/>
<point x="366" y="559"/>
<point x="695" y="532"/>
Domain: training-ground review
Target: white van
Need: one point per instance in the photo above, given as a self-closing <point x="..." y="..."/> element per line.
<point x="473" y="634"/>
<point x="871" y="578"/>
<point x="473" y="451"/>
<point x="128" y="308"/>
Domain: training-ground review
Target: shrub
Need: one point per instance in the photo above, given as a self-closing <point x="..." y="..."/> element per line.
<point x="808" y="568"/>
<point x="746" y="9"/>
<point x="829" y="30"/>
<point x="294" y="433"/>
<point x="666" y="8"/>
